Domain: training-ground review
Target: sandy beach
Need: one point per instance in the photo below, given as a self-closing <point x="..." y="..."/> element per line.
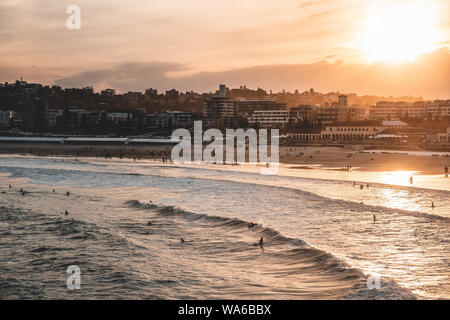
<point x="335" y="158"/>
<point x="309" y="157"/>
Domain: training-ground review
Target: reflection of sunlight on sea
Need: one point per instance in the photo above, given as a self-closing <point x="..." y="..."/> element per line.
<point x="399" y="199"/>
<point x="400" y="178"/>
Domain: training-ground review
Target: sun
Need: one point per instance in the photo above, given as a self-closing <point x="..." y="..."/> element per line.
<point x="399" y="32"/>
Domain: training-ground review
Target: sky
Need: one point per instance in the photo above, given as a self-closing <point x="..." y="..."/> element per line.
<point x="396" y="47"/>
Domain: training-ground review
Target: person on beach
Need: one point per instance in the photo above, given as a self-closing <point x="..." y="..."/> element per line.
<point x="10" y="186"/>
<point x="432" y="205"/>
<point x="66" y="213"/>
<point x="261" y="242"/>
<point x="411" y="180"/>
<point x="446" y="171"/>
<point x="374" y="218"/>
<point x="67" y="193"/>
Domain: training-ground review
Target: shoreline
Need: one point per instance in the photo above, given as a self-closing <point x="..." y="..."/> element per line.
<point x="327" y="158"/>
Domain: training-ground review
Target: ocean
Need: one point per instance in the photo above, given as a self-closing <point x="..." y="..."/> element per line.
<point x="126" y="220"/>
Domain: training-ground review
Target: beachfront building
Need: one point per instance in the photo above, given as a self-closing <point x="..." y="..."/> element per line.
<point x="444" y="137"/>
<point x="246" y="108"/>
<point x="386" y="110"/>
<point x="219" y="110"/>
<point x="327" y="114"/>
<point x="396" y="125"/>
<point x="339" y="133"/>
<point x="170" y="119"/>
<point x="269" y="118"/>
<point x="303" y="113"/>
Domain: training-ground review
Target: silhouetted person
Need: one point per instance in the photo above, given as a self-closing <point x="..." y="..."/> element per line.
<point x="67" y="193"/>
<point x="261" y="242"/>
<point x="374" y="218"/>
<point x="446" y="171"/>
<point x="149" y="223"/>
<point x="411" y="180"/>
<point x="23" y="193"/>
<point x="10" y="186"/>
<point x="182" y="240"/>
<point x="53" y="190"/>
<point x="66" y="213"/>
<point x="21" y="190"/>
<point x="361" y="186"/>
<point x="432" y="205"/>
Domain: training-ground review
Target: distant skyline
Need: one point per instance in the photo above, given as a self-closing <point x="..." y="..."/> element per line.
<point x="369" y="47"/>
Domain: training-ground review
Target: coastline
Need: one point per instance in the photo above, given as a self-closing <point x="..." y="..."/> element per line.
<point x="328" y="158"/>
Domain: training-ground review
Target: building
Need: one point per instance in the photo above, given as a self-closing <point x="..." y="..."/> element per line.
<point x="219" y="110"/>
<point x="444" y="137"/>
<point x="342" y="100"/>
<point x="180" y="119"/>
<point x="246" y="108"/>
<point x="52" y="117"/>
<point x="385" y="110"/>
<point x="5" y="118"/>
<point x="303" y="113"/>
<point x="396" y="125"/>
<point x="171" y="119"/>
<point x="119" y="117"/>
<point x="270" y="118"/>
<point x="340" y="133"/>
<point x="332" y="114"/>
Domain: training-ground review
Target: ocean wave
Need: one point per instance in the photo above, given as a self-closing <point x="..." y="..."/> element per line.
<point x="293" y="251"/>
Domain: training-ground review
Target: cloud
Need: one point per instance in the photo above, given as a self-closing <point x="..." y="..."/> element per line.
<point x="126" y="76"/>
<point x="428" y="76"/>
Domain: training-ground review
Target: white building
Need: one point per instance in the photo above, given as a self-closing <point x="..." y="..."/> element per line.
<point x="270" y="118"/>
